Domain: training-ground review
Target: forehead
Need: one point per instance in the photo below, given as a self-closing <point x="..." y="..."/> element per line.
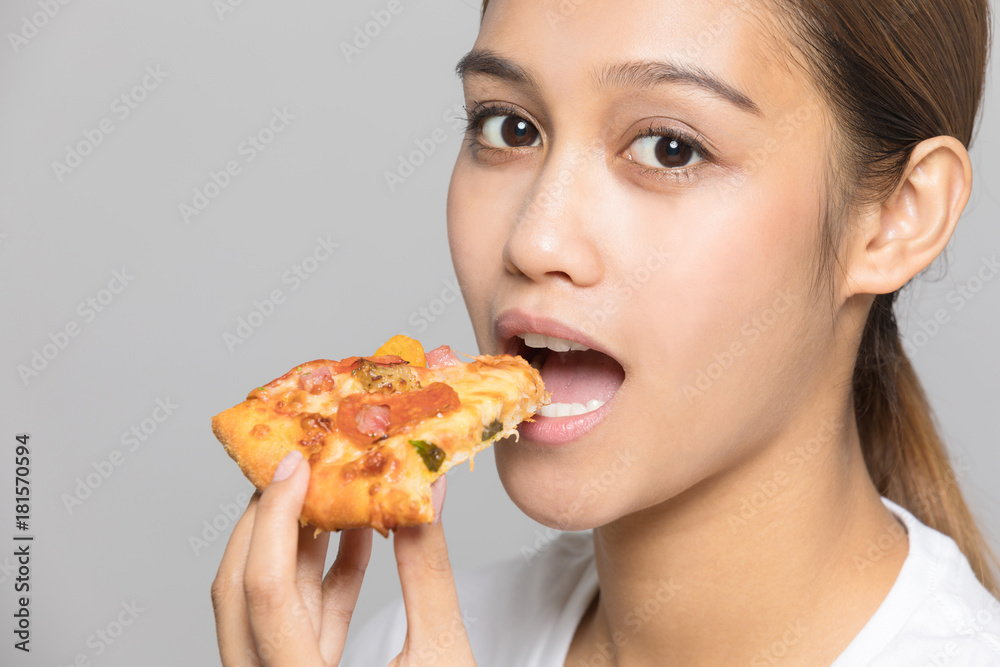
<point x="572" y="46"/>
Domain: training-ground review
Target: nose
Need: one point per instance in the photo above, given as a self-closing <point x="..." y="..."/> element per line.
<point x="555" y="235"/>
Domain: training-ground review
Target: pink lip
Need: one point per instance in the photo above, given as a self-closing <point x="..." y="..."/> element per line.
<point x="562" y="430"/>
<point x="550" y="430"/>
<point x="513" y="322"/>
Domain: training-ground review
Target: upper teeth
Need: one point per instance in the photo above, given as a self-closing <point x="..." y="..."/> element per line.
<point x="568" y="409"/>
<point x="558" y="345"/>
<point x="551" y="342"/>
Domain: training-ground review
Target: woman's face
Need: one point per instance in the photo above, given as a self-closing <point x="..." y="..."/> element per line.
<point x="646" y="181"/>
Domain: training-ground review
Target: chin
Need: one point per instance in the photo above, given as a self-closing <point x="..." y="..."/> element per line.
<point x="550" y="494"/>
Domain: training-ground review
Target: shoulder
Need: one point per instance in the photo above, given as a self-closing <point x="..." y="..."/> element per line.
<point x="509" y="608"/>
<point x="937" y="612"/>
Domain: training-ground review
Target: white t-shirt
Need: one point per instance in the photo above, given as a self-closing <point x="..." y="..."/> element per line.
<point x="524" y="612"/>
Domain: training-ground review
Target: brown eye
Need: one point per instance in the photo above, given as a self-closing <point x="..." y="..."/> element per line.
<point x="663" y="152"/>
<point x="509" y="132"/>
<point x="672" y="153"/>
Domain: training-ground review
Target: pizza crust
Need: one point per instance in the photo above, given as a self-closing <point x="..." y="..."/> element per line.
<point x="383" y="483"/>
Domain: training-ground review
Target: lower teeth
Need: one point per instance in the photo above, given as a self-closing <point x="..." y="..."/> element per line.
<point x="569" y="409"/>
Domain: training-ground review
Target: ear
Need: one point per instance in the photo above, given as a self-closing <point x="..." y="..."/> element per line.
<point x="901" y="237"/>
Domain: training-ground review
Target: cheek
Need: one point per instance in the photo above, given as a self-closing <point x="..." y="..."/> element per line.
<point x="476" y="236"/>
<point x="727" y="323"/>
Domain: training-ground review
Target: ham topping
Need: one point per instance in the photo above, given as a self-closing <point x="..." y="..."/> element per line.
<point x="316" y="380"/>
<point x="442" y="356"/>
<point x="373" y="420"/>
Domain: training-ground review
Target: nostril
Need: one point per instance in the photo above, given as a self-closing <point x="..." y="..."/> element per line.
<point x="560" y="274"/>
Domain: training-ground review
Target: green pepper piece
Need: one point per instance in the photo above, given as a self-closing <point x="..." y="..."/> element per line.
<point x="432" y="455"/>
<point x="489" y="431"/>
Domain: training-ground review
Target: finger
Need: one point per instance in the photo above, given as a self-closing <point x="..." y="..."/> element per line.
<point x="232" y="626"/>
<point x="278" y="615"/>
<point x="309" y="571"/>
<point x="340" y="590"/>
<point x="433" y="616"/>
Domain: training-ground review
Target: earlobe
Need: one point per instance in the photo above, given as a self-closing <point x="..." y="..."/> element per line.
<point x="901" y="237"/>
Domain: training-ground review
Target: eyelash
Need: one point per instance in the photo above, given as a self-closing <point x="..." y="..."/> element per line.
<point x="477" y="116"/>
<point x="679" y="174"/>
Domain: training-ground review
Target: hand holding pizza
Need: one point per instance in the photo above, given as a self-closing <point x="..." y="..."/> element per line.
<point x="274" y="607"/>
<point x="355" y="445"/>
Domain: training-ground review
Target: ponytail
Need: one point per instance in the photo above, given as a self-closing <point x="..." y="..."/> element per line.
<point x="903" y="451"/>
<point x="895" y="73"/>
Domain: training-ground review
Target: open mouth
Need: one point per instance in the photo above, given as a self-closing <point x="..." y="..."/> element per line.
<point x="580" y="379"/>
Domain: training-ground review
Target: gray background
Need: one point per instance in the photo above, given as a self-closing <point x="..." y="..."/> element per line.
<point x="161" y="337"/>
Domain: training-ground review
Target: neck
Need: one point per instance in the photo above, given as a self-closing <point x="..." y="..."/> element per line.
<point x="771" y="558"/>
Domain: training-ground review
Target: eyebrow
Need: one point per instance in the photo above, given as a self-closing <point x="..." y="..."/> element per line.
<point x="636" y="74"/>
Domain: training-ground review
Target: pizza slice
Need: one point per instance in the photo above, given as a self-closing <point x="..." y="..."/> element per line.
<point x="378" y="430"/>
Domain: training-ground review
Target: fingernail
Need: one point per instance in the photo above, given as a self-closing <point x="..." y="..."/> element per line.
<point x="437" y="497"/>
<point x="287" y="465"/>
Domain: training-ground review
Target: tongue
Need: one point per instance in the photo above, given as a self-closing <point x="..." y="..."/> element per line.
<point x="577" y="377"/>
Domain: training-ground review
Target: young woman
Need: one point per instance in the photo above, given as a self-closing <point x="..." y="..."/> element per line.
<point x="720" y="201"/>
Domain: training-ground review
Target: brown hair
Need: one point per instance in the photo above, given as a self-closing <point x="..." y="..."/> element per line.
<point x="895" y="72"/>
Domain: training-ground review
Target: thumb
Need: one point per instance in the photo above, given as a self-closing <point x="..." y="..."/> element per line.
<point x="433" y="615"/>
